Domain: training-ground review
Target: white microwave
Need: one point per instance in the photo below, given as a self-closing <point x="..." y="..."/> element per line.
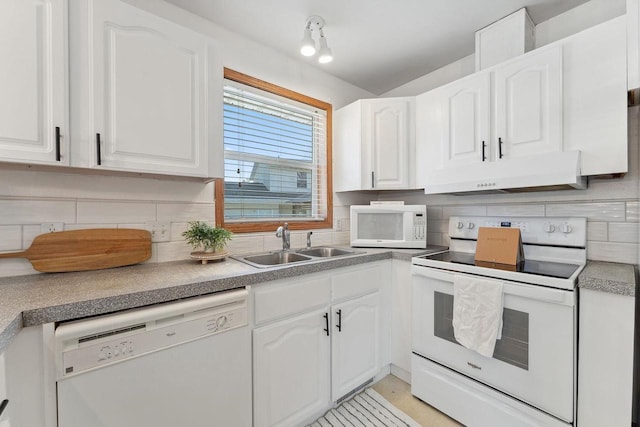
<point x="389" y="226"/>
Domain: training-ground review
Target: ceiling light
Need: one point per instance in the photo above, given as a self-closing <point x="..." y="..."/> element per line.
<point x="315" y="24"/>
<point x="325" y="55"/>
<point x="308" y="46"/>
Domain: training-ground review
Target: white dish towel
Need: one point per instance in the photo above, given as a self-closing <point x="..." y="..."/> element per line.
<point x="477" y="313"/>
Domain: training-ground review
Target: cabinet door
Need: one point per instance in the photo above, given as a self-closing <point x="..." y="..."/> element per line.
<point x="291" y="370"/>
<point x="149" y="92"/>
<point x="355" y="353"/>
<point x="465" y="108"/>
<point x="32" y="81"/>
<point x="387" y="137"/>
<point x="528" y="102"/>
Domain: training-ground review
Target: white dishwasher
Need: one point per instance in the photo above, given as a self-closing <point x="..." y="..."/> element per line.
<point x="185" y="363"/>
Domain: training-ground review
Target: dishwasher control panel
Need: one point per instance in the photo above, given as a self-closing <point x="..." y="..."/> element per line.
<point x="77" y="354"/>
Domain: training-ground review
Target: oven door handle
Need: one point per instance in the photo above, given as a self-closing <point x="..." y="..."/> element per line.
<point x="539" y="293"/>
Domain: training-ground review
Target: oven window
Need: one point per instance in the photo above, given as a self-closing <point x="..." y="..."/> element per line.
<point x="513" y="348"/>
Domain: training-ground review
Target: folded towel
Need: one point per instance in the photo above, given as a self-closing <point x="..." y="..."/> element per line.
<point x="477" y="313"/>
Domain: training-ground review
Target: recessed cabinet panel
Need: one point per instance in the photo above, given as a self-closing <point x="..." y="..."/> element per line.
<point x="389" y="145"/>
<point x="32" y="81"/>
<point x="133" y="58"/>
<point x="291" y="365"/>
<point x="465" y="121"/>
<point x="148" y="94"/>
<point x="356" y="343"/>
<point x="529" y="105"/>
<point x="374" y="145"/>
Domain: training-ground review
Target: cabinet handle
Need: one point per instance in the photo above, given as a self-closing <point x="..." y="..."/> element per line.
<point x="58" y="144"/>
<point x="500" y="148"/>
<point x="326" y="322"/>
<point x="484" y="147"/>
<point x="3" y="405"/>
<point x="98" y="153"/>
<point x="339" y="313"/>
<point x="373" y="179"/>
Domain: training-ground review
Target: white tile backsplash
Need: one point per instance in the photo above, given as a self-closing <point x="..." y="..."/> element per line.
<point x="515" y="210"/>
<point x="469" y="210"/>
<point x="597" y="231"/>
<point x="626" y="232"/>
<point x="633" y="211"/>
<point x="600" y="211"/>
<point x="10" y="237"/>
<point x="171" y="251"/>
<point x="244" y="244"/>
<point x="434" y="212"/>
<point x="14" y="212"/>
<point x="91" y="212"/>
<point x="29" y="232"/>
<point x="613" y="252"/>
<point x="185" y="212"/>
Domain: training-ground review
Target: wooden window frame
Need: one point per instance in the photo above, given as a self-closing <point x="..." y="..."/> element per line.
<point x="261" y="226"/>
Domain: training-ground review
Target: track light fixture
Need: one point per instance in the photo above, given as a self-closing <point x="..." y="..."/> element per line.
<point x="315" y="24"/>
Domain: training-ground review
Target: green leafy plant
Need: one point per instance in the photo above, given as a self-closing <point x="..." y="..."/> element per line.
<point x="202" y="235"/>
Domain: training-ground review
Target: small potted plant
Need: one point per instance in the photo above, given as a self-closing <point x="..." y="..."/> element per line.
<point x="208" y="241"/>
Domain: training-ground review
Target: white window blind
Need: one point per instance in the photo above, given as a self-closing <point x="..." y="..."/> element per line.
<point x="275" y="157"/>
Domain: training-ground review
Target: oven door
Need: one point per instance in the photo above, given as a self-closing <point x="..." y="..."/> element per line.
<point x="534" y="359"/>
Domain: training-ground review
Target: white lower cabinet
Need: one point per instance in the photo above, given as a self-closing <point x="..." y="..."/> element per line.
<point x="605" y="359"/>
<point x="291" y="365"/>
<point x="325" y="338"/>
<point x="27" y="379"/>
<point x="355" y="343"/>
<point x="4" y="408"/>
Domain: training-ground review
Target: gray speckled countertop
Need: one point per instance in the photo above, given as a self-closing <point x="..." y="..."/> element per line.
<point x="43" y="298"/>
<point x="609" y="277"/>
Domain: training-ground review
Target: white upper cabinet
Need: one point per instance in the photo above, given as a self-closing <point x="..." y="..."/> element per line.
<point x="466" y="108"/>
<point x="547" y="118"/>
<point x="528" y="100"/>
<point x="33" y="92"/>
<point x="141" y="97"/>
<point x="374" y="145"/>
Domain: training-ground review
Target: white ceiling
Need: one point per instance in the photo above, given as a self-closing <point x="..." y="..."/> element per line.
<point x="377" y="45"/>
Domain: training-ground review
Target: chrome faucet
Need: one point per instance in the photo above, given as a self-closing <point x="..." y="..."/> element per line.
<point x="283" y="231"/>
<point x="309" y="233"/>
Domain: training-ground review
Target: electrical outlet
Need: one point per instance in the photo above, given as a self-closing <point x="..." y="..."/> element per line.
<point x="51" y="227"/>
<point x="160" y="231"/>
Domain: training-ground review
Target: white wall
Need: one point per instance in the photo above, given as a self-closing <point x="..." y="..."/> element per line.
<point x="29" y="198"/>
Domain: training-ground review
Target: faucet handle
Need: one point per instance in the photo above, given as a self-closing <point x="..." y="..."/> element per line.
<point x="279" y="231"/>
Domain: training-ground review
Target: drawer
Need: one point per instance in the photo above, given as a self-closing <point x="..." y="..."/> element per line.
<point x="282" y="298"/>
<point x="361" y="281"/>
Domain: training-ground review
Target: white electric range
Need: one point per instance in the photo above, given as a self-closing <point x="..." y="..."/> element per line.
<point x="531" y="378"/>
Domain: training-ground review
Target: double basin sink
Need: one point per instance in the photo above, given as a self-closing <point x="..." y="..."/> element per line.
<point x="279" y="258"/>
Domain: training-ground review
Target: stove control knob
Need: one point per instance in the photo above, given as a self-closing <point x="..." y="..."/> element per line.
<point x="566" y="229"/>
<point x="470" y="226"/>
<point x="549" y="228"/>
<point x="460" y="225"/>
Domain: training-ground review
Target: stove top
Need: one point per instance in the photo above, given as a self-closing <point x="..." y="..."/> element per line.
<point x="539" y="268"/>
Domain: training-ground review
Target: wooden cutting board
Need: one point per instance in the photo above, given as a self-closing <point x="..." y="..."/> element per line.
<point x="82" y="250"/>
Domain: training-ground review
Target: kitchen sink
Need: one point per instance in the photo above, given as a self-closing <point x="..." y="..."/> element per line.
<point x="274" y="258"/>
<point x="325" y="252"/>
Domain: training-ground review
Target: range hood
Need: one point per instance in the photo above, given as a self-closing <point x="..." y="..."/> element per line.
<point x="547" y="171"/>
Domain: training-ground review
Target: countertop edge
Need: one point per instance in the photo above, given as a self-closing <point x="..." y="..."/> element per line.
<point x="609" y="277"/>
<point x="33" y="316"/>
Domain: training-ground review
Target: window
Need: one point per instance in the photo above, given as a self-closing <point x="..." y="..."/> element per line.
<point x="277" y="158"/>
